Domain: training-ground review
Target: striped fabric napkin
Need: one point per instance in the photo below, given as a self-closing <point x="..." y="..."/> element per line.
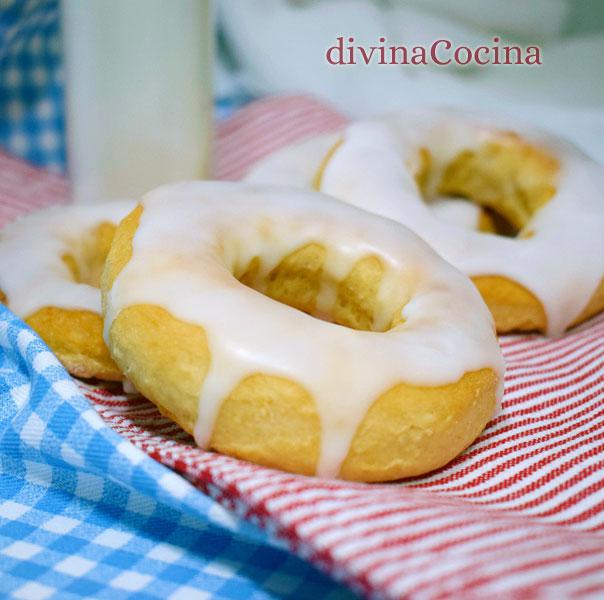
<point x="519" y="515"/>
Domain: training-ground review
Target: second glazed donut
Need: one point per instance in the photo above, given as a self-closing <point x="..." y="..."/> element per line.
<point x="533" y="242"/>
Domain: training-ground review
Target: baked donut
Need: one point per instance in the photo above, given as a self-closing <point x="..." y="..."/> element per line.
<point x="50" y="266"/>
<point x="295" y="331"/>
<point x="522" y="214"/>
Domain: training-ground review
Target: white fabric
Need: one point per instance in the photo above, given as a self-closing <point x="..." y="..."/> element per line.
<point x="280" y="48"/>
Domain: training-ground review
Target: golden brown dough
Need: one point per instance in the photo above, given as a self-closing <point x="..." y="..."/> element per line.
<point x="76" y="337"/>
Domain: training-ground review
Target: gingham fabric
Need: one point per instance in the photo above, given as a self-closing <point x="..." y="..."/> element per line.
<point x="32" y="111"/>
<point x="83" y="513"/>
<point x="31" y="82"/>
<point x="519" y="515"/>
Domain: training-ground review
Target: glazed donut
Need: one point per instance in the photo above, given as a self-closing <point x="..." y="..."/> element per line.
<point x="290" y="329"/>
<point x="50" y="266"/>
<point x="524" y="214"/>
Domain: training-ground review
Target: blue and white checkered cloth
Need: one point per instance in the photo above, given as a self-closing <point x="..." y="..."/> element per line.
<point x="83" y="513"/>
<point x="32" y="111"/>
<point x="31" y="82"/>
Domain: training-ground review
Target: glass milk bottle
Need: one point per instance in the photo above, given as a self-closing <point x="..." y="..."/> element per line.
<point x="139" y="98"/>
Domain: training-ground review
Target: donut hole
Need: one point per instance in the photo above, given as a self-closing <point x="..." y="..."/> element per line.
<point x="508" y="178"/>
<point x="87" y="254"/>
<point x="301" y="281"/>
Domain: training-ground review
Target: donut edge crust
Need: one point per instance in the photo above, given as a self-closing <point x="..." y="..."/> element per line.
<point x="412" y="430"/>
<point x="593" y="307"/>
<point x="408" y="430"/>
<point x="516" y="309"/>
<point x="76" y="337"/>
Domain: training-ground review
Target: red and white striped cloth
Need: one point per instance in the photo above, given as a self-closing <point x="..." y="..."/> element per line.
<point x="519" y="515"/>
<point x="24" y="188"/>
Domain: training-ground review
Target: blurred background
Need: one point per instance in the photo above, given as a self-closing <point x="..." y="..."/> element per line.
<point x="276" y="47"/>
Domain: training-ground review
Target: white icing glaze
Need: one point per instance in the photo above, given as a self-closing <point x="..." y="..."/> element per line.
<point x="32" y="273"/>
<point x="457" y="212"/>
<point x="128" y="386"/>
<point x="191" y="239"/>
<point x="562" y="264"/>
